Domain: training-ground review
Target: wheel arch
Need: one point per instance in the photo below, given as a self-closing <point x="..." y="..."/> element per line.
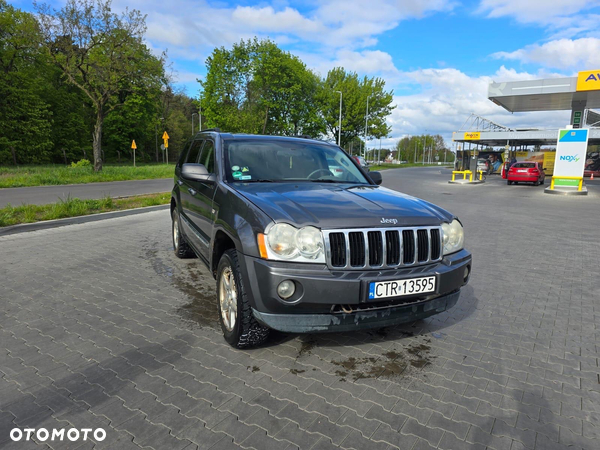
<point x="222" y="243"/>
<point x="173" y="205"/>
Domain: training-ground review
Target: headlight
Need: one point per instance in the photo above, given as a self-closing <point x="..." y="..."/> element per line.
<point x="282" y="240"/>
<point x="309" y="242"/>
<point x="454" y="237"/>
<point x="285" y="242"/>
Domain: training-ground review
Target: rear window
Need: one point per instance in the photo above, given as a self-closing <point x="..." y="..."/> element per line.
<point x="525" y="165"/>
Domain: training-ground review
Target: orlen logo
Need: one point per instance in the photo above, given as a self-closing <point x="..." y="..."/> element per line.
<point x="569" y="158"/>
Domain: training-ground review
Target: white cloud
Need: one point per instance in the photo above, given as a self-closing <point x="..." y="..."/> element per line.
<point x="368" y="62"/>
<point x="578" y="54"/>
<point x="352" y="22"/>
<point x="266" y="19"/>
<point x="535" y="11"/>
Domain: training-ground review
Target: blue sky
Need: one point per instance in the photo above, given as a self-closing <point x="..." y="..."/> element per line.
<point x="438" y="56"/>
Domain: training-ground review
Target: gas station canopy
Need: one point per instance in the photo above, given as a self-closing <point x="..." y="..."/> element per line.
<point x="550" y="94"/>
<point x="578" y="94"/>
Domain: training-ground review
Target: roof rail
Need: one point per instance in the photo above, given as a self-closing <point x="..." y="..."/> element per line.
<point x="304" y="136"/>
<point x="218" y="130"/>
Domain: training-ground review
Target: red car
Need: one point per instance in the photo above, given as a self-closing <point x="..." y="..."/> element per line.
<point x="526" y="172"/>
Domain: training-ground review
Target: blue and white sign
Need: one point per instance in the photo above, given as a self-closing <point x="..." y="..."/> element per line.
<point x="570" y="155"/>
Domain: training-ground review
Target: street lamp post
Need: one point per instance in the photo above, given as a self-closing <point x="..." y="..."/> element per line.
<point x="415" y="149"/>
<point x="366" y="124"/>
<point x="340" y="121"/>
<point x="193" y="114"/>
<point x="200" y="113"/>
<point x="156" y="135"/>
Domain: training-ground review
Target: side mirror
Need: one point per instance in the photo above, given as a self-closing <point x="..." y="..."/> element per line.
<point x="376" y="177"/>
<point x="196" y="172"/>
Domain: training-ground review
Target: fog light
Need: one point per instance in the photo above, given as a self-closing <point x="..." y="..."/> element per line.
<point x="286" y="289"/>
<point x="467" y="270"/>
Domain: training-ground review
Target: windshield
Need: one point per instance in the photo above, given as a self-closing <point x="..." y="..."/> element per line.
<point x="285" y="160"/>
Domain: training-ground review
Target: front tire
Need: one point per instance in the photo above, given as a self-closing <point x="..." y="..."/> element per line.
<point x="180" y="246"/>
<point x="240" y="328"/>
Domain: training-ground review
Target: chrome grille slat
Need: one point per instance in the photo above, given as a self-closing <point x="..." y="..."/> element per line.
<point x="372" y="252"/>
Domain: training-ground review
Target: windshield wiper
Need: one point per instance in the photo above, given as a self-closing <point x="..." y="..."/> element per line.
<point x="257" y="180"/>
<point x="361" y="185"/>
<point x="327" y="181"/>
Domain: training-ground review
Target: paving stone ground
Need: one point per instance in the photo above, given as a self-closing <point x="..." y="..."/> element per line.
<point x="102" y="327"/>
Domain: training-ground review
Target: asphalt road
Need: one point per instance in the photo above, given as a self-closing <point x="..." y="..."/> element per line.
<point x="102" y="327"/>
<point x="42" y="195"/>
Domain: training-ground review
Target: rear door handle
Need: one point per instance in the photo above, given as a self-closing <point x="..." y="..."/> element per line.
<point x="192" y="191"/>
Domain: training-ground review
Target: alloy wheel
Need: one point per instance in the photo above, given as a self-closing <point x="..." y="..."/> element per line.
<point x="228" y="298"/>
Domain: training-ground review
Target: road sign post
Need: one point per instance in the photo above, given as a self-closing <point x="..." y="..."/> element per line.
<point x="165" y="137"/>
<point x="133" y="146"/>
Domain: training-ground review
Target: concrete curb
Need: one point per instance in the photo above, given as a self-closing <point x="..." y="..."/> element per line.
<point x="25" y="227"/>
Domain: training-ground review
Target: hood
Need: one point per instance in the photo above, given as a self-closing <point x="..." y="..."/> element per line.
<point x="340" y="206"/>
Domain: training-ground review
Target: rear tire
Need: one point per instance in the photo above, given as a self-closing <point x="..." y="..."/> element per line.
<point x="240" y="328"/>
<point x="508" y="182"/>
<point x="180" y="246"/>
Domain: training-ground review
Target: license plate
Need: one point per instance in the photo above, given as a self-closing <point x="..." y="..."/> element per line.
<point x="398" y="288"/>
<point x="522" y="171"/>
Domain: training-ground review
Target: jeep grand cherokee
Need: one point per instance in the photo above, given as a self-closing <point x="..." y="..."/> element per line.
<point x="297" y="248"/>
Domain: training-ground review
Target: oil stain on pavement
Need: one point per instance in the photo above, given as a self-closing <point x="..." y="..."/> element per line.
<point x="391" y="365"/>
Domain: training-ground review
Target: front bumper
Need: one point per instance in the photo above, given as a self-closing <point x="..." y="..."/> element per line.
<point x="323" y="294"/>
<point x="360" y="320"/>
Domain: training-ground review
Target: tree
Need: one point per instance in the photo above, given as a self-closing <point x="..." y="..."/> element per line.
<point x="355" y="92"/>
<point x="422" y="148"/>
<point x="258" y="88"/>
<point x="24" y="116"/>
<point x="101" y="53"/>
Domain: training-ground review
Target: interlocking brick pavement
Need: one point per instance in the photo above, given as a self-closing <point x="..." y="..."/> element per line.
<point x="102" y="327"/>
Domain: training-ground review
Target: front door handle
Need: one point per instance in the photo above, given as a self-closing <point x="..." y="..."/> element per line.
<point x="179" y="182"/>
<point x="192" y="191"/>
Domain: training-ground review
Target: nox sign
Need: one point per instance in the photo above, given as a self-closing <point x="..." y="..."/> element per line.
<point x="569" y="158"/>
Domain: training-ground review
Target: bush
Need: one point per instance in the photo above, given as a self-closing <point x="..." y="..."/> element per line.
<point x="81" y="163"/>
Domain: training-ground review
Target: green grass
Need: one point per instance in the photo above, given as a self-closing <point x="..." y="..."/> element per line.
<point x="73" y="207"/>
<point x="22" y="176"/>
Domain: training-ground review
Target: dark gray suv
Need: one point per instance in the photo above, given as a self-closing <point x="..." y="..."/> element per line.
<point x="298" y="248"/>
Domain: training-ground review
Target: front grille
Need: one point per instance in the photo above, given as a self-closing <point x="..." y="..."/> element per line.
<point x="357" y="249"/>
<point x="382" y="248"/>
<point x="338" y="249"/>
<point x="375" y="248"/>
